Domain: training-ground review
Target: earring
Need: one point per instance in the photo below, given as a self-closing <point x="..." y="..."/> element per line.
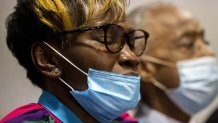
<point x="56" y="70"/>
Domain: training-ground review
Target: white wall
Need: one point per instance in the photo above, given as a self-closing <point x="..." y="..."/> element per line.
<point x="16" y="90"/>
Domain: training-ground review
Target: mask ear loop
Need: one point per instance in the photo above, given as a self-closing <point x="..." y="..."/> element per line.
<point x="68" y="62"/>
<point x="159" y="85"/>
<point x="65" y="58"/>
<point x="66" y="84"/>
<point x="158" y="61"/>
<point x="161" y="62"/>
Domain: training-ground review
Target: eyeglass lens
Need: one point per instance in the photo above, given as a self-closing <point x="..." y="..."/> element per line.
<point x="114" y="40"/>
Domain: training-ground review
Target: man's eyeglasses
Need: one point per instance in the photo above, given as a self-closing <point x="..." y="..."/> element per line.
<point x="114" y="38"/>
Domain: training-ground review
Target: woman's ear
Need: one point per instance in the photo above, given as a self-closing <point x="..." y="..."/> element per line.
<point x="45" y="60"/>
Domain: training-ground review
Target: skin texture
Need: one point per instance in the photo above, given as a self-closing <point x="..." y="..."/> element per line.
<point x="85" y="52"/>
<point x="174" y="35"/>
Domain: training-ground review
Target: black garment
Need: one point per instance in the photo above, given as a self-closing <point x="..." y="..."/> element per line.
<point x="213" y="118"/>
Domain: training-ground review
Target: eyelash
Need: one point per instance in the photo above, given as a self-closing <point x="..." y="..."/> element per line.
<point x="189" y="45"/>
<point x="99" y="39"/>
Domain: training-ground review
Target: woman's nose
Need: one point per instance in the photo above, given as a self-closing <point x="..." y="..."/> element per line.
<point x="128" y="58"/>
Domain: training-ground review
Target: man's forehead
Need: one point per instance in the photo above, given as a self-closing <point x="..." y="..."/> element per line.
<point x="166" y="34"/>
<point x="178" y="24"/>
<point x="167" y="26"/>
<point x="189" y="27"/>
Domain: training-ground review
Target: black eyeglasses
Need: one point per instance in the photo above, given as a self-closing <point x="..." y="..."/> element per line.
<point x="114" y="38"/>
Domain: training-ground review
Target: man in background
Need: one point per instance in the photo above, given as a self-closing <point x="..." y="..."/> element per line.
<point x="178" y="69"/>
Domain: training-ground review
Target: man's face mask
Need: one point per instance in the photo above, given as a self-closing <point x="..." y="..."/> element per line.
<point x="198" y="82"/>
<point x="108" y="95"/>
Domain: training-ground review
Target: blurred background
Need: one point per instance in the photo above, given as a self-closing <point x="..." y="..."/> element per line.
<point x="16" y="90"/>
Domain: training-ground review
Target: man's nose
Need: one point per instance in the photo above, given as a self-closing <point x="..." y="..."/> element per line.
<point x="128" y="58"/>
<point x="204" y="49"/>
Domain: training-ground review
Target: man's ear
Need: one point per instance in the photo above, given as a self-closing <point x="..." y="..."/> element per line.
<point x="45" y="60"/>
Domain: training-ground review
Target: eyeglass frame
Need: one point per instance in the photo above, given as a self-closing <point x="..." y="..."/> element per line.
<point x="105" y="29"/>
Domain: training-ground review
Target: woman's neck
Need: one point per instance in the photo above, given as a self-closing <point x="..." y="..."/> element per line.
<point x="63" y="94"/>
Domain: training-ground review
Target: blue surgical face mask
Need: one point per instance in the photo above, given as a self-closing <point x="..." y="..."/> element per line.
<point x="108" y="95"/>
<point x="198" y="83"/>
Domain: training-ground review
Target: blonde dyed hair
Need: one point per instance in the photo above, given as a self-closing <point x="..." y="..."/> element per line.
<point x="63" y="15"/>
